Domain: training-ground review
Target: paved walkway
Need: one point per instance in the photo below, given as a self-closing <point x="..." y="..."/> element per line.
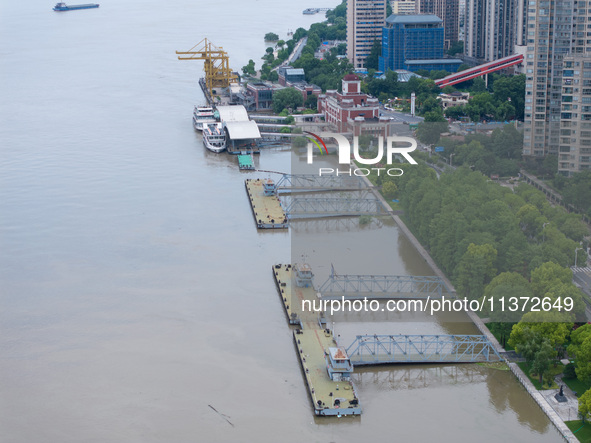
<point x="295" y="54"/>
<point x="544" y="403"/>
<point x="568" y="410"/>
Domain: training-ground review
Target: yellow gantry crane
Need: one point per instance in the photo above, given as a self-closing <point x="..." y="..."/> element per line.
<point x="216" y="64"/>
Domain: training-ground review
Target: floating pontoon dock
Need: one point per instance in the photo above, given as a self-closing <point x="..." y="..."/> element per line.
<point x="326" y="366"/>
<point x="266" y="207"/>
<point x="245" y="162"/>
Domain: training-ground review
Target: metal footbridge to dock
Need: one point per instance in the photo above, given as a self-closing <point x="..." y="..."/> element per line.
<point x="274" y="203"/>
<point x="388" y="349"/>
<point x="314" y="182"/>
<point x="328" y="367"/>
<point x="298" y="207"/>
<point x="354" y="287"/>
<point x="341" y="203"/>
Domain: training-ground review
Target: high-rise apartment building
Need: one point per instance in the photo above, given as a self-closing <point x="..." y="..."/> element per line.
<point x="501" y="28"/>
<point x="493" y="28"/>
<point x="365" y="20"/>
<point x="475" y="29"/>
<point x="555" y="30"/>
<point x="403" y="7"/>
<point x="446" y="10"/>
<point x="574" y="151"/>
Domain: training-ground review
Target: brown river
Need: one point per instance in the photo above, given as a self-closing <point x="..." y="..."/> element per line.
<point x="137" y="302"/>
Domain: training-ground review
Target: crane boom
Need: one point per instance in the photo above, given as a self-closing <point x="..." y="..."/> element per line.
<point x="216" y="64"/>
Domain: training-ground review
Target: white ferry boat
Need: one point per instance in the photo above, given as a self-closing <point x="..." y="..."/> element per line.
<point x="202" y="115"/>
<point x="214" y="137"/>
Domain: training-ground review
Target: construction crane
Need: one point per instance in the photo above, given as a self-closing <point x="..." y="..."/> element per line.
<point x="216" y="64"/>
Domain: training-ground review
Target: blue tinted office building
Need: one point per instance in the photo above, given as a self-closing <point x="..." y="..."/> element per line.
<point x="413" y="37"/>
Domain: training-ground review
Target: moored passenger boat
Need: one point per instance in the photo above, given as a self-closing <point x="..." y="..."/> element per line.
<point x="214" y="137"/>
<point x="203" y="115"/>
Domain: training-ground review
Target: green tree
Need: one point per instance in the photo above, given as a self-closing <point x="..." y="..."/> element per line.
<point x="287" y="98"/>
<point x="311" y="102"/>
<point x="249" y="69"/>
<point x="299" y="142"/>
<point x="583" y="359"/>
<point x="578" y="336"/>
<point x="574" y="228"/>
<point x="299" y="34"/>
<point x="455" y="112"/>
<point x="475" y="270"/>
<point x="505" y="111"/>
<point x="504" y="286"/>
<point x="371" y="62"/>
<point x="576" y="191"/>
<point x="437" y="74"/>
<point x="273" y="76"/>
<point x="549" y="166"/>
<point x="456" y="48"/>
<point x="271" y="37"/>
<point x="585" y="405"/>
<point x="389" y="190"/>
<point x="548" y="275"/>
<point x="431" y="104"/>
<point x="435" y="116"/>
<point x="569" y="372"/>
<point x="510" y="90"/>
<point x="554" y="326"/>
<point x="542" y="359"/>
<point x="429" y="132"/>
<point x="526" y="341"/>
<point x="478" y="85"/>
<point x="480" y="106"/>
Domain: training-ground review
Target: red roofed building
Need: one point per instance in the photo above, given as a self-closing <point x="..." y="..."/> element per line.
<point x="342" y="108"/>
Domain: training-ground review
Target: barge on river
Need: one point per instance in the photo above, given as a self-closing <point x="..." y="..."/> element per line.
<point x="63" y="7"/>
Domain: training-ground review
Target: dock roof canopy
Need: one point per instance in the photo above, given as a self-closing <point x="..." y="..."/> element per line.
<point x="240" y="130"/>
<point x="233" y="113"/>
<point x="239" y="126"/>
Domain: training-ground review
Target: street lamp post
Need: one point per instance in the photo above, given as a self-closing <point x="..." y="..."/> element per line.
<point x="576" y="251"/>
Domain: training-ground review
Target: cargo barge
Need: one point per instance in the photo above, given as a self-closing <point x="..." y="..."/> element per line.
<point x="63" y="7"/>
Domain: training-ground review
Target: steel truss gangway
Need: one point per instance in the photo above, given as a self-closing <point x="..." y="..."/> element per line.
<point x="388" y="349"/>
<point x="352" y="287"/>
<point x="419" y="377"/>
<point x="301" y="207"/>
<point x="480" y="70"/>
<point x="333" y="224"/>
<point x="313" y="182"/>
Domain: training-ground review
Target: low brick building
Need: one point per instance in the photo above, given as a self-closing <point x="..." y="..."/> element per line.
<point x="340" y="107"/>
